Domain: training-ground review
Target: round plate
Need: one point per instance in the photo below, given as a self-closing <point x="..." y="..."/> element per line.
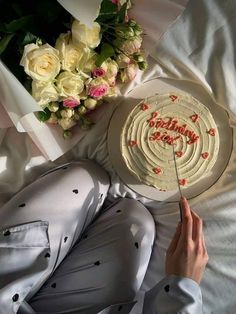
<point x="146" y="90"/>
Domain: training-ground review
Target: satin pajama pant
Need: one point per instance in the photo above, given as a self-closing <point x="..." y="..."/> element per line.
<point x="97" y="257"/>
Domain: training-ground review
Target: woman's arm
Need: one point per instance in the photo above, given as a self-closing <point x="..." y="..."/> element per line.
<point x="186" y="259"/>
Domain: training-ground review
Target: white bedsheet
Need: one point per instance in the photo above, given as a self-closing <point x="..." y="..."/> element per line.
<point x="199" y="47"/>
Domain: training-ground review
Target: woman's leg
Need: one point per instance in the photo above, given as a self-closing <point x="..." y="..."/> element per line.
<point x="68" y="198"/>
<point x="105" y="267"/>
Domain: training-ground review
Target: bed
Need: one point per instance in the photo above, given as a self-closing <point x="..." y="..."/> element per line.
<point x="189" y="44"/>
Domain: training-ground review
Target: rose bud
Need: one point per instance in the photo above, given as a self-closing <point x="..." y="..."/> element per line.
<point x="90" y="103"/>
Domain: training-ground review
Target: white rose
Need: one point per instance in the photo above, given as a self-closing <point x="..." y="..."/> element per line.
<point x="53" y="119"/>
<point x="112" y="68"/>
<point x="129" y="73"/>
<point x="111" y="80"/>
<point x="113" y="92"/>
<point x="90" y="103"/>
<point x="122" y="60"/>
<point x="66" y="123"/>
<point x="41" y="63"/>
<point x="67" y="113"/>
<point x="132" y="45"/>
<point x="87" y="62"/>
<point x="111" y="71"/>
<point x="72" y="57"/>
<point x="69" y="84"/>
<point x="44" y="92"/>
<point x="53" y="106"/>
<point x="81" y="110"/>
<point x="90" y="37"/>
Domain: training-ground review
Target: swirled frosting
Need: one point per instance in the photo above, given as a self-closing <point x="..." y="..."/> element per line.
<point x="165" y="121"/>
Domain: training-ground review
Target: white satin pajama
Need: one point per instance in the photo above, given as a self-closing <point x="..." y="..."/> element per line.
<point x="60" y="252"/>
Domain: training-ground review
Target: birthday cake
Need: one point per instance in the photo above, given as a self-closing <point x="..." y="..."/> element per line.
<point x="164" y="125"/>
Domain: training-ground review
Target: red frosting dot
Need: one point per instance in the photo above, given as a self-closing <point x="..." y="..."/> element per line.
<point x="151" y="123"/>
<point x="132" y="143"/>
<point x="205" y="155"/>
<point x="179" y="154"/>
<point x="157" y="170"/>
<point x="183" y="181"/>
<point x="173" y="97"/>
<point x="195" y="117"/>
<point x="144" y="106"/>
<point x="212" y="132"/>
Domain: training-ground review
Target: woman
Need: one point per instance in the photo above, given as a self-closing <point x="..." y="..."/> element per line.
<point x="61" y="253"/>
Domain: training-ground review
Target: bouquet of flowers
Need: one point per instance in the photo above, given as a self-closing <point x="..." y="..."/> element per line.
<point x="74" y="71"/>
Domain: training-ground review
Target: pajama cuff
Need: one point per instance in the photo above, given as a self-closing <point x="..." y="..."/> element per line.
<point x="174" y="294"/>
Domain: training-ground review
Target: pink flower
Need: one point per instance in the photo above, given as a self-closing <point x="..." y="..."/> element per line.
<point x="115" y="1"/>
<point x="70" y="102"/>
<point x="98" y="72"/>
<point x="98" y="91"/>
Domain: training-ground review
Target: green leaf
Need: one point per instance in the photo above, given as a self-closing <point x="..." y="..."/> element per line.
<point x="5" y="41"/>
<point x="20" y="23"/>
<point x="107" y="51"/>
<point x="43" y="116"/>
<point x="107" y="6"/>
<point x="123" y="12"/>
<point x="2" y="27"/>
<point x="28" y="39"/>
<point x="108" y="12"/>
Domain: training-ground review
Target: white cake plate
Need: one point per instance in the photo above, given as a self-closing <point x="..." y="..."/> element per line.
<point x="149" y="89"/>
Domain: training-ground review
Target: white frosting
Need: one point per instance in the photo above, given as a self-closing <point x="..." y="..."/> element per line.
<point x="146" y="155"/>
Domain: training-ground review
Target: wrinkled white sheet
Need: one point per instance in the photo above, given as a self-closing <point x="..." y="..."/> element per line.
<point x="199" y="47"/>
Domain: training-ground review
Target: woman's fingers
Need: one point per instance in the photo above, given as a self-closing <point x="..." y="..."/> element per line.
<point x="197" y="226"/>
<point x="175" y="240"/>
<point x="187" y="221"/>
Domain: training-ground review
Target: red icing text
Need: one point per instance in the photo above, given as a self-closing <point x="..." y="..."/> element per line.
<point x="172" y="125"/>
<point x="163" y="137"/>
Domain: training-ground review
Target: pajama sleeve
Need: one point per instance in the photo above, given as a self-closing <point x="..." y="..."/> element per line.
<point x="174" y="295"/>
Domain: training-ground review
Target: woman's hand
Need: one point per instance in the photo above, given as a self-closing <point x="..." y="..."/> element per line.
<point x="187" y="255"/>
